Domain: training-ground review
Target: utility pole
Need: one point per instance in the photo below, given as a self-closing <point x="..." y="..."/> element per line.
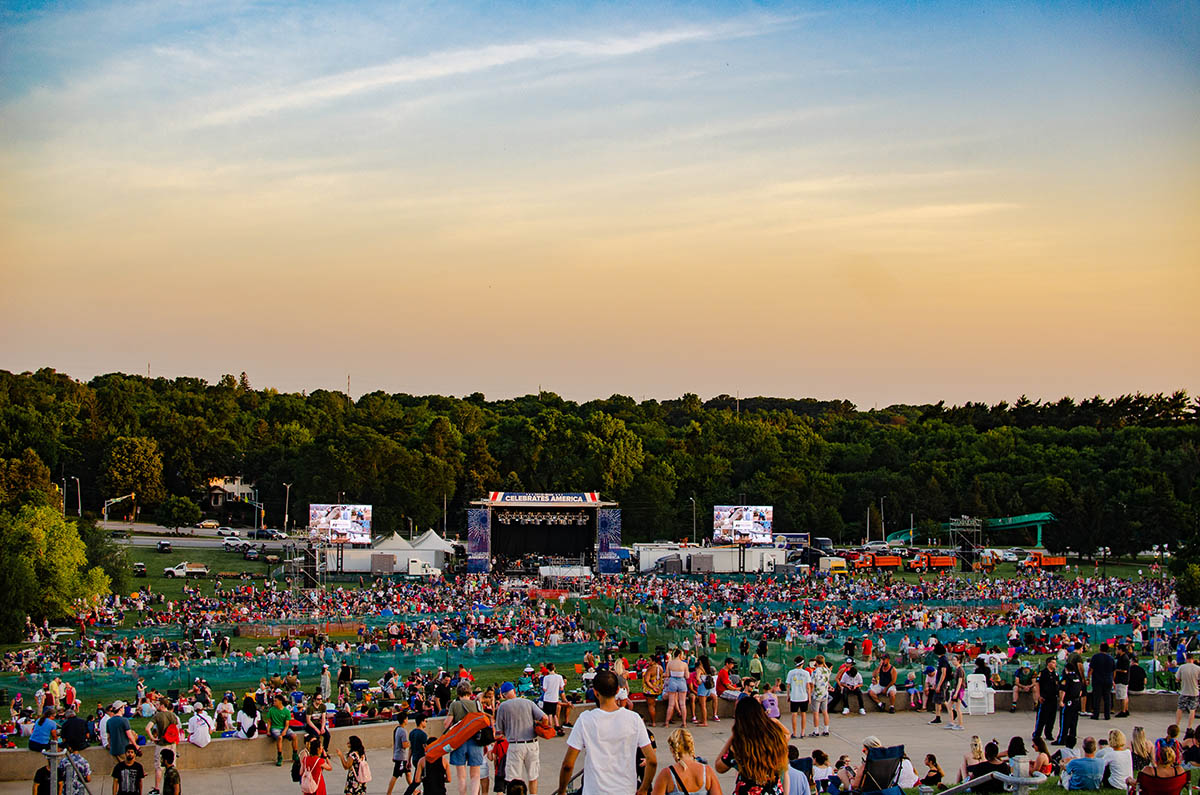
<point x="286" y="499"/>
<point x="64" y="497"/>
<point x="693" y="499"/>
<point x="78" y="497"/>
<point x="444" y="514"/>
<point x="882" y="526"/>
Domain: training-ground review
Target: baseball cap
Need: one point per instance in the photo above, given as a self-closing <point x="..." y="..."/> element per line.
<point x="506" y="688"/>
<point x="528" y="669"/>
<point x="118" y="705"/>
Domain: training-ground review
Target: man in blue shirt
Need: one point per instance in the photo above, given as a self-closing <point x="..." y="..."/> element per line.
<point x="1085" y="772"/>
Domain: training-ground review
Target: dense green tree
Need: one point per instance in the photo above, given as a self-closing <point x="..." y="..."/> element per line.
<point x="133" y="465"/>
<point x="177" y="512"/>
<point x="46" y="569"/>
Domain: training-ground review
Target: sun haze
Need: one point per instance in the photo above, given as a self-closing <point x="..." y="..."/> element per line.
<point x="885" y="202"/>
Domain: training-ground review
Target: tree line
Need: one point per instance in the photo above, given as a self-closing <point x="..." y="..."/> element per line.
<point x="1118" y="472"/>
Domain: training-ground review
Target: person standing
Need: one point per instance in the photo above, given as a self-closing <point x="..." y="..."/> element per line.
<point x="119" y="733"/>
<point x="171" y="785"/>
<point x="326" y="683"/>
<point x="1100" y="676"/>
<point x="468" y="757"/>
<point x="1070" y="701"/>
<point x="128" y="773"/>
<point x="353" y="762"/>
<point x="819" y="700"/>
<point x="1045" y="696"/>
<point x="553" y="686"/>
<point x="652" y="687"/>
<point x="1121" y="680"/>
<point x="799" y="685"/>
<point x="315" y="763"/>
<point x="400" y="751"/>
<point x="164" y="731"/>
<point x="515" y="721"/>
<point x="941" y="682"/>
<point x="676" y="688"/>
<point x="955" y="692"/>
<point x="612" y="737"/>
<point x="1188" y="676"/>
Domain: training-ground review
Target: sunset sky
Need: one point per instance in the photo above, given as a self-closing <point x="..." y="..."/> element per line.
<point x="888" y="202"/>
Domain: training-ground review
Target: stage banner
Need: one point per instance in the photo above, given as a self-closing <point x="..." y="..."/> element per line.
<point x="582" y="498"/>
<point x="609" y="535"/>
<point x="479" y="541"/>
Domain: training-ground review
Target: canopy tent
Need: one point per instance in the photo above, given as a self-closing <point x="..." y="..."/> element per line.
<point x="393" y="543"/>
<point x="431" y="540"/>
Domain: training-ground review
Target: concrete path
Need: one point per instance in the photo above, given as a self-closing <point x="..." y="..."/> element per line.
<point x="909" y="729"/>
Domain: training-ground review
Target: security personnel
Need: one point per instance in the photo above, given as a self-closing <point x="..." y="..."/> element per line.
<point x="1070" y="699"/>
<point x="1045" y="696"/>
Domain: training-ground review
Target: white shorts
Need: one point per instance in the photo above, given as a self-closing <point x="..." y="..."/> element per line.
<point x="622" y="695"/>
<point x="523" y="762"/>
<point x="877" y="689"/>
<point x="1121" y="692"/>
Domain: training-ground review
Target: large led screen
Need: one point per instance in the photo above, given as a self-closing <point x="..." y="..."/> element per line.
<point x="340" y="524"/>
<point x="742" y="524"/>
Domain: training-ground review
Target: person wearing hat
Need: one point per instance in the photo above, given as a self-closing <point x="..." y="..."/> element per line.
<point x="118" y="731"/>
<point x="326" y="682"/>
<point x="1022" y="683"/>
<point x="515" y="721"/>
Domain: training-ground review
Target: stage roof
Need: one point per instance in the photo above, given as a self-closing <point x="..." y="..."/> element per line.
<point x="511" y="499"/>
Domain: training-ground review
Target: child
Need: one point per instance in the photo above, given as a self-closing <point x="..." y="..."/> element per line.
<point x="770" y="701"/>
<point x="516" y="788"/>
<point x="915" y="695"/>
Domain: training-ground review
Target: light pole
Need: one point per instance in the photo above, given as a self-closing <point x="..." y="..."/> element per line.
<point x="64" y="497"/>
<point x="882" y="526"/>
<point x="693" y="501"/>
<point x="78" y="497"/>
<point x="287" y="494"/>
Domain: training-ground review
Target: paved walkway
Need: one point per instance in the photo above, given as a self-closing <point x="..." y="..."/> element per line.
<point x="846" y="737"/>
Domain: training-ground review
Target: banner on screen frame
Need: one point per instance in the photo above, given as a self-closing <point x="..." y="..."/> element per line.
<point x="479" y="541"/>
<point x="582" y="498"/>
<point x="608" y="534"/>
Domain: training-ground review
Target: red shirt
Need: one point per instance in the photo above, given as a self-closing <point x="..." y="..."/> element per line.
<point x="723" y="682"/>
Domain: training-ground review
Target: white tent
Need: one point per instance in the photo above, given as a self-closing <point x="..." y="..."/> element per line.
<point x="394" y="543"/>
<point x="431" y="540"/>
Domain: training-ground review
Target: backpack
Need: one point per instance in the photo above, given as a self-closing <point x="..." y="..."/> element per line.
<point x="308" y="782"/>
<point x="364" y="771"/>
<point x="171" y="735"/>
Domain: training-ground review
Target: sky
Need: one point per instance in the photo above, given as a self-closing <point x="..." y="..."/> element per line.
<point x="882" y="202"/>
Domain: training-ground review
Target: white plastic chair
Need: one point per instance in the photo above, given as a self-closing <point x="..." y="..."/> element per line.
<point x="977" y="701"/>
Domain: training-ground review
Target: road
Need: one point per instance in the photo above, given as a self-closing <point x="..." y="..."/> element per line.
<point x="193" y="538"/>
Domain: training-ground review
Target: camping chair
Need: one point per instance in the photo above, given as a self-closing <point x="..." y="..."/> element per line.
<point x="1161" y="786"/>
<point x="883" y="770"/>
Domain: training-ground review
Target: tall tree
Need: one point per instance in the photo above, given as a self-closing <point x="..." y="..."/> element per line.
<point x="133" y="465"/>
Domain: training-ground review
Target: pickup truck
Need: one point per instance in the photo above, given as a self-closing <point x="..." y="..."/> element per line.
<point x="186" y="569"/>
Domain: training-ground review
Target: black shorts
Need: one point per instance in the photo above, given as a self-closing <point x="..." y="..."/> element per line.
<point x="799" y="706"/>
<point x="550" y="707"/>
<point x="399" y="768"/>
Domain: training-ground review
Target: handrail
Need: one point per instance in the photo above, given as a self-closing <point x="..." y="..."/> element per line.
<point x="564" y="790"/>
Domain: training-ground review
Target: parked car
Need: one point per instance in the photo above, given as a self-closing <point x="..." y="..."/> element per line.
<point x="876" y="546"/>
<point x="1017" y="554"/>
<point x="267" y="534"/>
<point x="227" y="532"/>
<point x="162" y="546"/>
<point x="115" y="534"/>
<point x="209" y="524"/>
<point x="250" y="553"/>
<point x="234" y="544"/>
<point x="139" y="569"/>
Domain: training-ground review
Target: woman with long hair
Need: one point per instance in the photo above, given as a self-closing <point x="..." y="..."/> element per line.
<point x="685" y="776"/>
<point x="974" y="756"/>
<point x="652" y="688"/>
<point x="708" y="674"/>
<point x="757" y="747"/>
<point x="1141" y="751"/>
<point x="1165" y="766"/>
<point x="1041" y="762"/>
<point x="934" y="775"/>
<point x="676" y="687"/>
<point x="1016" y="747"/>
<point x="352" y="763"/>
<point x="315" y="762"/>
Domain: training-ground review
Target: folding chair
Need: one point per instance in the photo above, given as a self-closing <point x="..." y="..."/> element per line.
<point x="883" y="770"/>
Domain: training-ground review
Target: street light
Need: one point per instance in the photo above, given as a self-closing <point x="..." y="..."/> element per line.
<point x="882" y="526"/>
<point x="286" y="495"/>
<point x="78" y="497"/>
<point x="692" y="500"/>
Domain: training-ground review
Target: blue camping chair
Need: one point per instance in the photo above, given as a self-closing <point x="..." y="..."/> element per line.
<point x="883" y="771"/>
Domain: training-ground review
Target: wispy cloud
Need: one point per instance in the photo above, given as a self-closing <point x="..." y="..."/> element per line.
<point x="449" y="63"/>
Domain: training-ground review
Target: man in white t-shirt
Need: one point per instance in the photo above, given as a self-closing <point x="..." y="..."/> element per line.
<point x="611" y="736"/>
<point x="553" y="685"/>
<point x="799" y="685"/>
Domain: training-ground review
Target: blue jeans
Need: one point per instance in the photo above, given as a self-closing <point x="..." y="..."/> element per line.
<point x="468" y="754"/>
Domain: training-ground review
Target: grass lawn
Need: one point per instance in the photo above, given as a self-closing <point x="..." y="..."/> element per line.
<point x="217" y="560"/>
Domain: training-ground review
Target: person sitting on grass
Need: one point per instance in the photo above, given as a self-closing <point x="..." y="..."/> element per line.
<point x="1084" y="772"/>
